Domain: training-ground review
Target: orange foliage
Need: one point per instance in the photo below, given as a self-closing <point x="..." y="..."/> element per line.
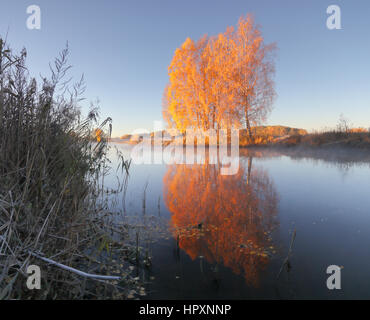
<point x="98" y="134"/>
<point x="358" y="130"/>
<point x="221" y="81"/>
<point x="225" y="219"/>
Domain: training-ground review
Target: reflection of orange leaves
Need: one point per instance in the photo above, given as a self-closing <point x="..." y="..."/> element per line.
<point x="222" y="218"/>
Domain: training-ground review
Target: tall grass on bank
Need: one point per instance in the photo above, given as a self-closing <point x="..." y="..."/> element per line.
<point x="50" y="198"/>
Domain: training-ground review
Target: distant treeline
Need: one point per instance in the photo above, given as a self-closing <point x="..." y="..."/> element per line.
<point x="352" y="138"/>
<point x="281" y="136"/>
<point x="277" y="131"/>
<point x="261" y="135"/>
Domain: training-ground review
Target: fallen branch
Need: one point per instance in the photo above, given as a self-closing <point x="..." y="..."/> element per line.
<point x="81" y="273"/>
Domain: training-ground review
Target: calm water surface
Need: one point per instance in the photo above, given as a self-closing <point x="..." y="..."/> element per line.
<point x="226" y="237"/>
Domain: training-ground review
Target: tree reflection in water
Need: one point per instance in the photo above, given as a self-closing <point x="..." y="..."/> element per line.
<point x="224" y="219"/>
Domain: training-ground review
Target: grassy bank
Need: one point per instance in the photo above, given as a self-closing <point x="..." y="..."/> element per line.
<point x="328" y="139"/>
<point x="52" y="198"/>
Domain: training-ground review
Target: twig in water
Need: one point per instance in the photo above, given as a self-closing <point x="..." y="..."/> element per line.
<point x="286" y="261"/>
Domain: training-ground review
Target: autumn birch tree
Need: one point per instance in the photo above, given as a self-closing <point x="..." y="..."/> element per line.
<point x="221" y="82"/>
<point x="253" y="74"/>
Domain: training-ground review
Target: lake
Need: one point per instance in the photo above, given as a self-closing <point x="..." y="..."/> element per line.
<point x="227" y="236"/>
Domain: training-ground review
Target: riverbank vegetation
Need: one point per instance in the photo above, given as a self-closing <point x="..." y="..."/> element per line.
<point x="327" y="139"/>
<point x="53" y="203"/>
<point x="343" y="136"/>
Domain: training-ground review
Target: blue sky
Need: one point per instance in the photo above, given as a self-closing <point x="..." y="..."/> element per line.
<point x="124" y="48"/>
